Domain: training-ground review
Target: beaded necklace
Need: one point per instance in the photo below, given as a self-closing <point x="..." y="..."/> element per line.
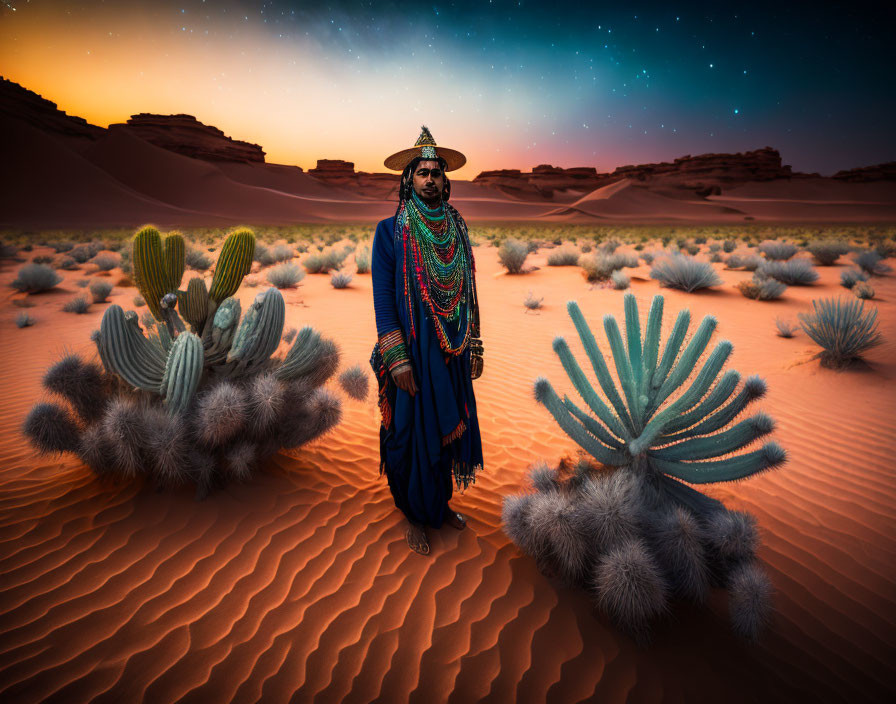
<point x="439" y="259"/>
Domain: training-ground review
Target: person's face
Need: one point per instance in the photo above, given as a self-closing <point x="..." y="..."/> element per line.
<point x="429" y="181"/>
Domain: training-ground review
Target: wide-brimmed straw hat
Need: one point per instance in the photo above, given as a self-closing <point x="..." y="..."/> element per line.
<point x="426" y="147"/>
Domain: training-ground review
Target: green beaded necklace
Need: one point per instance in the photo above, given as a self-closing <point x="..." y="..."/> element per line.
<point x="441" y="263"/>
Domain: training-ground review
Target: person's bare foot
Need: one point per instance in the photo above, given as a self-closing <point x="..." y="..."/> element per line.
<point x="416" y="538"/>
<point x="456" y="520"/>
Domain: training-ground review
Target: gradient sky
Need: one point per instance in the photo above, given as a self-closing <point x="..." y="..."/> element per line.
<point x="510" y="84"/>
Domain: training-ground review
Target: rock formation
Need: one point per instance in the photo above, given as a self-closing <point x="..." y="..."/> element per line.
<point x="185" y="135"/>
<point x="878" y="172"/>
<point x="706" y="174"/>
<point x="18" y="102"/>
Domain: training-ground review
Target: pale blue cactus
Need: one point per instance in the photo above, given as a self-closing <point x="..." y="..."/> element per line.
<point x="648" y="426"/>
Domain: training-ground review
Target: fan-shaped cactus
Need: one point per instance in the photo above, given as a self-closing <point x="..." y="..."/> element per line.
<point x="233" y="264"/>
<point x="647" y="425"/>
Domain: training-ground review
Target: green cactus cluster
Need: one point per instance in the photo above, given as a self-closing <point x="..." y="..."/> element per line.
<point x="170" y="360"/>
<point x="159" y="265"/>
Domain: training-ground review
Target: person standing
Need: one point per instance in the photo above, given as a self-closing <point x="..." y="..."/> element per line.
<point x="428" y="347"/>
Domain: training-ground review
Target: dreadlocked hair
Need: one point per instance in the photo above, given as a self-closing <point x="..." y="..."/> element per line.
<point x="406" y="186"/>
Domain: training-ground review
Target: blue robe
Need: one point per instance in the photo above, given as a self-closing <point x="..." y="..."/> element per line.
<point x="417" y="451"/>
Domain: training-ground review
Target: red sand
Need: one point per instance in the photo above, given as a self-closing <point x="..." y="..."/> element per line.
<point x="299" y="585"/>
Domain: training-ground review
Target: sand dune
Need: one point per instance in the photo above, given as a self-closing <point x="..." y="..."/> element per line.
<point x="299" y="585"/>
<point x="625" y="200"/>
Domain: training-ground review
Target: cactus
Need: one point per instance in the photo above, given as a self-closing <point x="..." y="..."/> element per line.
<point x="218" y="336"/>
<point x="127" y="352"/>
<point x="233" y="264"/>
<point x="183" y="369"/>
<point x="158" y="266"/>
<point x="193" y="304"/>
<point x="648" y="428"/>
<point x="175" y="260"/>
<point x="259" y="334"/>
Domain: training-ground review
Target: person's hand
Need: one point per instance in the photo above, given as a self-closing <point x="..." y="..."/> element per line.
<point x="404" y="378"/>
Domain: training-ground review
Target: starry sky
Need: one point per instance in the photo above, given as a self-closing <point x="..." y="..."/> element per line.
<point x="510" y="84"/>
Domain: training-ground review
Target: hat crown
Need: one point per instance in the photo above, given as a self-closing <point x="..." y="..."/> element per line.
<point x="425" y="138"/>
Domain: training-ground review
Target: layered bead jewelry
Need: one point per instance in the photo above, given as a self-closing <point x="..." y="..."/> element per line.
<point x="441" y="268"/>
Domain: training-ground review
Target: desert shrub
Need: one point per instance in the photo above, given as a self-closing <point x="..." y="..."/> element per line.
<point x="871" y="263"/>
<point x="33" y="278"/>
<point x="83" y="252"/>
<point x="99" y="291"/>
<point x="24" y="320"/>
<point x="843" y="329"/>
<point x="339" y="279"/>
<point x="532" y="246"/>
<point x="684" y="273"/>
<point x="610" y="246"/>
<point x="585" y="248"/>
<point x="728" y="246"/>
<point x="139" y="302"/>
<point x="289" y="335"/>
<point x="324" y="262"/>
<point x="796" y="272"/>
<point x="285" y="275"/>
<point x="43" y="259"/>
<point x="691" y="249"/>
<point x="362" y="260"/>
<point x="564" y="256"/>
<point x="277" y="254"/>
<point x="532" y="303"/>
<point x="633" y="532"/>
<point x="647" y="257"/>
<point x="198" y="260"/>
<point x="851" y="277"/>
<point x="355" y="382"/>
<point x="715" y="247"/>
<point x="512" y="254"/>
<point x="761" y="289"/>
<point x="261" y="253"/>
<point x="885" y="248"/>
<point x="79" y="305"/>
<point x="777" y="251"/>
<point x="598" y="266"/>
<point x="750" y="263"/>
<point x="863" y="290"/>
<point x="82" y="283"/>
<point x="620" y="280"/>
<point x="61" y="246"/>
<point x="786" y="328"/>
<point x="105" y="262"/>
<point x="715" y="258"/>
<point x="700" y="240"/>
<point x="827" y="252"/>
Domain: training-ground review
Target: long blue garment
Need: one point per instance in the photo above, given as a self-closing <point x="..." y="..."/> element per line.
<point x="419" y="445"/>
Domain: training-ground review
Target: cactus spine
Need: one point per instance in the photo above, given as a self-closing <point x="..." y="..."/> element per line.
<point x="233" y="264"/>
<point x="183" y="370"/>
